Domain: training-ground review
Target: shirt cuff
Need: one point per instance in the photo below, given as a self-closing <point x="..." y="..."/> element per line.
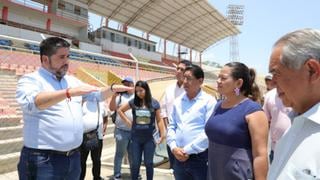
<point x="172" y="145"/>
<point x="188" y="149"/>
<point x="31" y="105"/>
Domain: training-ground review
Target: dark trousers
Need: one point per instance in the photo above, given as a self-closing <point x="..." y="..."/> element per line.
<point x="96" y="161"/>
<point x="48" y="165"/>
<point x="171" y="157"/>
<point x="195" y="168"/>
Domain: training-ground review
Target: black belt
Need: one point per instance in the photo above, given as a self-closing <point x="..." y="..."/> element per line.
<point x="64" y="153"/>
<point x="203" y="154"/>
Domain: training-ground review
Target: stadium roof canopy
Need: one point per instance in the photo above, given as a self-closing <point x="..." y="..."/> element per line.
<point x="192" y="23"/>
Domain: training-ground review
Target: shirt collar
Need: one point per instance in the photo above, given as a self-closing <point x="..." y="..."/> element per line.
<point x="47" y="73"/>
<point x="313" y="113"/>
<point x="198" y="96"/>
<point x="177" y="86"/>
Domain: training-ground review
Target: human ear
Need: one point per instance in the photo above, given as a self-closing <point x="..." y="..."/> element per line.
<point x="313" y="67"/>
<point x="239" y="83"/>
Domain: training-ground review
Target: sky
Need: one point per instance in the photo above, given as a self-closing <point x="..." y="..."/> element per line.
<point x="265" y="21"/>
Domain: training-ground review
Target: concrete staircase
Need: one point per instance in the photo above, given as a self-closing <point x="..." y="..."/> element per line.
<point x="10" y="123"/>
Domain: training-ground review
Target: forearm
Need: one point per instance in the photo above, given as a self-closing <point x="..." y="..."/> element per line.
<point x="260" y="167"/>
<point x="124" y="118"/>
<point x="112" y="104"/>
<point x="165" y="122"/>
<point x="45" y="100"/>
<point x="162" y="130"/>
<point x="105" y="121"/>
<point x="106" y="92"/>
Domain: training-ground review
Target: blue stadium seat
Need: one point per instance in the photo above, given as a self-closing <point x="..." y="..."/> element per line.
<point x="32" y="47"/>
<point x="75" y="55"/>
<point x="5" y="42"/>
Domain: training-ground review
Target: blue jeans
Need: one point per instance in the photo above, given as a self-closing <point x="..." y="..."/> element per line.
<point x="45" y="165"/>
<point x="137" y="147"/>
<point x="195" y="168"/>
<point x="122" y="146"/>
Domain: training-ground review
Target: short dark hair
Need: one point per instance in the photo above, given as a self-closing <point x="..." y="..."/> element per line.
<point x="147" y="98"/>
<point x="49" y="46"/>
<point x="196" y="71"/>
<point x="186" y="63"/>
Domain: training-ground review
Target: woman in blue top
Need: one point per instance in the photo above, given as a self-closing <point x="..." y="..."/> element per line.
<point x="145" y="111"/>
<point x="238" y="128"/>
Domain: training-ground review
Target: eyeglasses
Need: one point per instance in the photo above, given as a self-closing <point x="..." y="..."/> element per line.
<point x="189" y="79"/>
<point x="181" y="69"/>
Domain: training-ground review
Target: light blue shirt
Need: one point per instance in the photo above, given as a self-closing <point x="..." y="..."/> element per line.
<point x="187" y="122"/>
<point x="59" y="127"/>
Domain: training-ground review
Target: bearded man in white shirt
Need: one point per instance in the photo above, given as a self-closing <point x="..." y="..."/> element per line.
<point x="295" y="65"/>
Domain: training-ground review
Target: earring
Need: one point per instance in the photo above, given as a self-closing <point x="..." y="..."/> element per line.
<point x="237" y="91"/>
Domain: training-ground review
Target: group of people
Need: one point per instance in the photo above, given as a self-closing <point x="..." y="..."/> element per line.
<point x="207" y="138"/>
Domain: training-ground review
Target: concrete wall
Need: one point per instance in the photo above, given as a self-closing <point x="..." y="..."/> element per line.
<point x="122" y="48"/>
<point x="90" y="47"/>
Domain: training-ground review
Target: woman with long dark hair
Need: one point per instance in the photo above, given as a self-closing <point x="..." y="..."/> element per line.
<point x="146" y="113"/>
<point x="238" y="128"/>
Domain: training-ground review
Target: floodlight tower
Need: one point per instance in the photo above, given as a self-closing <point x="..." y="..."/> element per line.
<point x="235" y="16"/>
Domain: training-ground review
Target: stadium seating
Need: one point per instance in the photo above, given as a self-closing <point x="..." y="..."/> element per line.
<point x="32" y="47"/>
<point x="4" y="43"/>
<point x="22" y="63"/>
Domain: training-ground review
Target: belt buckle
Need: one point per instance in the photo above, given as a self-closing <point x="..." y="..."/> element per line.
<point x="69" y="153"/>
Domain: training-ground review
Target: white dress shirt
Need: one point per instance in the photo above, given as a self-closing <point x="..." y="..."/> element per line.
<point x="90" y="116"/>
<point x="172" y="92"/>
<point x="297" y="154"/>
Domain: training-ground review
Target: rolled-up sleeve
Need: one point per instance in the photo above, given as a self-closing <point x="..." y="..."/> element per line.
<point x="27" y="90"/>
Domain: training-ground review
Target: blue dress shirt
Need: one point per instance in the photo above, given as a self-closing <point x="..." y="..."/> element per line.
<point x="59" y="127"/>
<point x="187" y="122"/>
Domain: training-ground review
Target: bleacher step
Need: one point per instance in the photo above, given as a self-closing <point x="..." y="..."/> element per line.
<point x="8" y="162"/>
<point x="8" y="146"/>
<point x="10" y="120"/>
<point x="10" y="132"/>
